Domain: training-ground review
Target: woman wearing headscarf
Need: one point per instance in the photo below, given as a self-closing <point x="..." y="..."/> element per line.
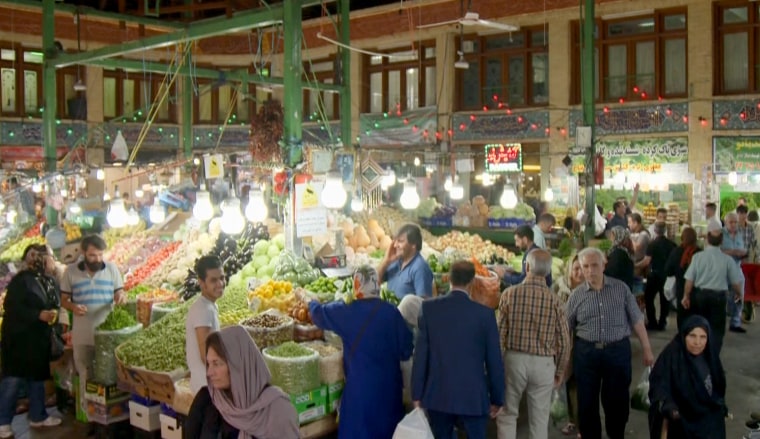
<point x="239" y="401"/>
<point x="687" y="386"/>
<point x="564" y="287"/>
<point x="620" y="256"/>
<point x="375" y="341"/>
<point x="31" y="310"/>
<point x="678" y="261"/>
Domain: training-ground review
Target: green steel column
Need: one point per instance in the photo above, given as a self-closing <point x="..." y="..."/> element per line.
<point x="587" y="100"/>
<point x="292" y="72"/>
<point x="48" y="97"/>
<point x="187" y="112"/>
<point x="345" y="62"/>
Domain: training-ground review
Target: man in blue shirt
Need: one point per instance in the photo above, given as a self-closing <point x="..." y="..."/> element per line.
<point x="523" y="241"/>
<point x="405" y="270"/>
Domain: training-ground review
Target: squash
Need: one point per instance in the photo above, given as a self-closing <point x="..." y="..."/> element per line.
<point x="371" y="248"/>
<point x="385" y="242"/>
<point x="373" y="241"/>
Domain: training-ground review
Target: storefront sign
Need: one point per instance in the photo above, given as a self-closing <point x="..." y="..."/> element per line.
<point x="643" y="156"/>
<point x="504" y="157"/>
<point x="740" y="154"/>
<point x="655" y="118"/>
<point x="498" y="125"/>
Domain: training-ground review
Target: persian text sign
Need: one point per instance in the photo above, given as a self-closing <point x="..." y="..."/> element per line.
<point x="740" y="154"/>
<point x="504" y="157"/>
<point x="647" y="155"/>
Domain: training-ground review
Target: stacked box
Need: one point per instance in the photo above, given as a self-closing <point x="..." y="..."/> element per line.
<point x="171" y="428"/>
<point x="144" y="417"/>
<point x="310" y="406"/>
<point x="103" y="394"/>
<point x="334" y="392"/>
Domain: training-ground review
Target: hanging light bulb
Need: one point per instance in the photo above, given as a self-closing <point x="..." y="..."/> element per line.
<point x="733" y="178"/>
<point x="203" y="210"/>
<point x="357" y="205"/>
<point x="100" y="174"/>
<point x="388" y="180"/>
<point x="416" y="161"/>
<point x="410" y="199"/>
<point x="133" y="218"/>
<point x="447" y="184"/>
<point x="157" y="212"/>
<point x="333" y="194"/>
<point x="64" y="193"/>
<point x="75" y="208"/>
<point x="11" y="216"/>
<point x="139" y="193"/>
<point x="106" y="196"/>
<point x="508" y="198"/>
<point x="37" y="187"/>
<point x="548" y="194"/>
<point x="457" y="191"/>
<point x="233" y="221"/>
<point x="486" y="179"/>
<point x="117" y="213"/>
<point x="256" y="211"/>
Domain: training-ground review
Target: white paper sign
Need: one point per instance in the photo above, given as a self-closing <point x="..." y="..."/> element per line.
<point x="311" y="217"/>
<point x="214" y="165"/>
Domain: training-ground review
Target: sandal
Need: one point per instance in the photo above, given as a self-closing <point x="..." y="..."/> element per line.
<point x="569" y="429"/>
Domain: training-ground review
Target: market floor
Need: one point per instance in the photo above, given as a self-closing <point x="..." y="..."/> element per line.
<point x="740" y="354"/>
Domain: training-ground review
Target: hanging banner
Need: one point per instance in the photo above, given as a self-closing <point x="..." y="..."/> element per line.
<point x="740" y="154"/>
<point x="669" y="155"/>
<point x="214" y="165"/>
<point x="311" y="216"/>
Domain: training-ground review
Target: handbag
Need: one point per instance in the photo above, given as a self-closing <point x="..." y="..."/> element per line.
<point x="57" y="344"/>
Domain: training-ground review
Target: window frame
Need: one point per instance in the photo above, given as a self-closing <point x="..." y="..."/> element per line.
<point x="386" y="66"/>
<point x="752" y="29"/>
<point x="482" y="54"/>
<point x="602" y="43"/>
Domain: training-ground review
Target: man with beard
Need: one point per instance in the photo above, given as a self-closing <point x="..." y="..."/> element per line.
<point x="89" y="290"/>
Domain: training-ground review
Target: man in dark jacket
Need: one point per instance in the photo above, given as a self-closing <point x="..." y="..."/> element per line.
<point x="458" y="373"/>
<point x="657" y="254"/>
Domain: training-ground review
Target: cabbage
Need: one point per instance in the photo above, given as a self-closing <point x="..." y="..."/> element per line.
<point x="261" y="247"/>
<point x="279" y="240"/>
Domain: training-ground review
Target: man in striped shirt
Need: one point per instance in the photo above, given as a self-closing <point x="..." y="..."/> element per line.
<point x="602" y="312"/>
<point x="89" y="289"/>
<point x="536" y="347"/>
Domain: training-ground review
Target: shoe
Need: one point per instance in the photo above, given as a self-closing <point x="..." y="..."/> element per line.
<point x="49" y="422"/>
<point x="737" y="329"/>
<point x="753" y="425"/>
<point x="5" y="431"/>
<point x="755" y="416"/>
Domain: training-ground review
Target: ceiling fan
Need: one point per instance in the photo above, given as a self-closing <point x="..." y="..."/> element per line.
<point x="473" y="19"/>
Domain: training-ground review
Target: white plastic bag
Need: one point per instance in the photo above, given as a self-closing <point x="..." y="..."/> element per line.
<point x="640" y="397"/>
<point x="414" y="426"/>
<point x="670" y="290"/>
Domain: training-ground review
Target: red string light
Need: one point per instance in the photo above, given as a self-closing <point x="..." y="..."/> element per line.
<point x="702" y="121"/>
<point x="643" y="95"/>
<point x="415" y="128"/>
<point x="509" y="111"/>
<point x="685" y="118"/>
<point x="485" y="107"/>
<point x="462" y="127"/>
<point x="635" y="88"/>
<point x="723" y="121"/>
<point x="520" y="119"/>
<point x="472" y="117"/>
<point x="606" y="109"/>
<point x="669" y="111"/>
<point x="743" y="116"/>
<point x="621" y="100"/>
<point x="406" y="121"/>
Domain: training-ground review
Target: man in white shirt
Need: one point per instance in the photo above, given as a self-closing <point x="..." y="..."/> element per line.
<point x="662" y="216"/>
<point x="203" y="318"/>
<point x="544" y="227"/>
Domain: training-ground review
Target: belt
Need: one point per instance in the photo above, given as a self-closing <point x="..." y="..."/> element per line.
<point x="707" y="290"/>
<point x="602" y="344"/>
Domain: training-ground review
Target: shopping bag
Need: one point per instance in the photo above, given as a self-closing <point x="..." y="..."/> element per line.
<point x="670" y="291"/>
<point x="558" y="411"/>
<point x="640" y="397"/>
<point x="485" y="290"/>
<point x="414" y="426"/>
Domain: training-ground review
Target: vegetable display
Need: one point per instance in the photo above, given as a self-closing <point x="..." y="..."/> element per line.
<point x="273" y="294"/>
<point x="118" y="327"/>
<point x="294" y="368"/>
<point x="330" y="361"/>
<point x="294" y="269"/>
<point x="471" y="245"/>
<point x="16" y="250"/>
<point x="118" y="318"/>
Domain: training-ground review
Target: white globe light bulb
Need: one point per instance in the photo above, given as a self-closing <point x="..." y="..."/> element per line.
<point x="410" y="199"/>
<point x="448" y="183"/>
<point x="357" y="205"/>
<point x="139" y="193"/>
<point x="75" y="208"/>
<point x="117" y="214"/>
<point x="133" y="218"/>
<point x="100" y="174"/>
<point x="256" y="211"/>
<point x="508" y="198"/>
<point x="334" y="195"/>
<point x="457" y="191"/>
<point x="548" y="194"/>
<point x="203" y="210"/>
<point x="11" y="216"/>
<point x="733" y="178"/>
<point x="233" y="221"/>
<point x="157" y="212"/>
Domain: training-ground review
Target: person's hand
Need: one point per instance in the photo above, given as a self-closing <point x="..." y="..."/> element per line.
<point x="648" y="357"/>
<point x="417" y="404"/>
<point x="494" y="412"/>
<point x="501" y="270"/>
<point x="686" y="302"/>
<point x="558" y="380"/>
<point x="392" y="254"/>
<point x="48" y="316"/>
<point x="79" y="310"/>
<point x="674" y="414"/>
<point x="636" y="187"/>
<point x="120" y="298"/>
<point x="737" y="297"/>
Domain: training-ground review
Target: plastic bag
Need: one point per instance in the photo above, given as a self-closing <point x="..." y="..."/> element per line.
<point x="670" y="290"/>
<point x="414" y="426"/>
<point x="640" y="397"/>
<point x="330" y="361"/>
<point x="104" y="365"/>
<point x="558" y="411"/>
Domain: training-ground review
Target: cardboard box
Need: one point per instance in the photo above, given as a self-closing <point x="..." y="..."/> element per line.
<point x="334" y="392"/>
<point x="170" y="427"/>
<point x="143" y="417"/>
<point x="158" y="386"/>
<point x="310" y="406"/>
<point x="81" y="414"/>
<point x="103" y="394"/>
<point x="105" y="414"/>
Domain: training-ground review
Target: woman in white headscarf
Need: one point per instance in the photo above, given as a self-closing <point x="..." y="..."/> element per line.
<point x="239" y="401"/>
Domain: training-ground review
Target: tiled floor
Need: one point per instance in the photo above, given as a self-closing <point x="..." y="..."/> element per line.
<point x="739" y="356"/>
